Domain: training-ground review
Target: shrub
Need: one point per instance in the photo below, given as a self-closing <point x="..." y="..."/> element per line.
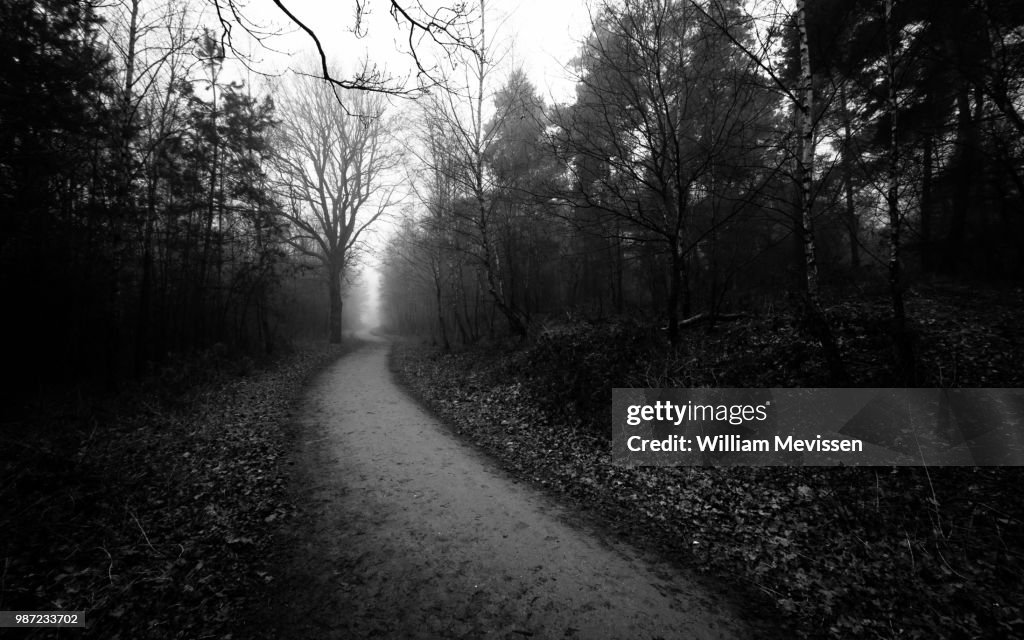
<point x="572" y="368"/>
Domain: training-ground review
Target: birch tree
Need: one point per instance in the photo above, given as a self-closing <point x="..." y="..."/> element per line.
<point x="763" y="52"/>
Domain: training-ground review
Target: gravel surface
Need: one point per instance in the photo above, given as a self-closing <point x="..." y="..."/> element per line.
<point x="405" y="532"/>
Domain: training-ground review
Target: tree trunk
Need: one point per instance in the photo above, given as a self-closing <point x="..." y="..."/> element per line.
<point x="334" y="295"/>
<point x="852" y="224"/>
<point x="143" y="341"/>
<point x="806" y="168"/>
<point x="262" y="321"/>
<point x="674" y="293"/>
<point x="927" y="250"/>
<point x="963" y="175"/>
<point x="813" y="316"/>
<point x="901" y="338"/>
<point x="618" y="297"/>
<point x="440" y="310"/>
<point x="492" y="272"/>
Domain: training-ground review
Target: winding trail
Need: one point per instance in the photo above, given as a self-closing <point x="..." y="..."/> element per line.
<point x="404" y="532"/>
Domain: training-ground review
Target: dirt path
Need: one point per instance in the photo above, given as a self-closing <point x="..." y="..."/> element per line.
<point x="405" y="532"/>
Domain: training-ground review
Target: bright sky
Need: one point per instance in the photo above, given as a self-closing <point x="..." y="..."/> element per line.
<point x="545" y="36"/>
<point x="541" y="35"/>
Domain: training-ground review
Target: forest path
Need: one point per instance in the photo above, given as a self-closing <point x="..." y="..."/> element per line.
<point x="404" y="532"/>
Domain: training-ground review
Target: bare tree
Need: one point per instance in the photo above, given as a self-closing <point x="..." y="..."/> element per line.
<point x="432" y="246"/>
<point x="663" y="106"/>
<point x="763" y="53"/>
<point x="458" y="116"/>
<point x="901" y="337"/>
<point x="337" y="167"/>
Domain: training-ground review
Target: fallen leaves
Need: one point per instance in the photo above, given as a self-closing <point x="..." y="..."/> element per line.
<point x="835" y="552"/>
<point x="156" y="517"/>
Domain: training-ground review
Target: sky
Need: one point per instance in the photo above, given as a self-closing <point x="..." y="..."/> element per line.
<point x="541" y="35"/>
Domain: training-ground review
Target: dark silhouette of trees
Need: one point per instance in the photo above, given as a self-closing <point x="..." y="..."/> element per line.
<point x="56" y="245"/>
<point x="719" y="158"/>
<point x="667" y="114"/>
<point x="141" y="211"/>
<point x="721" y="154"/>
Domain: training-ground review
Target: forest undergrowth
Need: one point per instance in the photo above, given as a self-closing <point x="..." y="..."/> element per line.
<point x="871" y="552"/>
<point x="152" y="510"/>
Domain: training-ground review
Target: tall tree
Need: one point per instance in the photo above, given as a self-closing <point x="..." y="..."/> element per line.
<point x="56" y="86"/>
<point x="337" y="168"/>
<point x="793" y="81"/>
<point x="460" y="113"/>
<point x="664" y="105"/>
<point x="524" y="175"/>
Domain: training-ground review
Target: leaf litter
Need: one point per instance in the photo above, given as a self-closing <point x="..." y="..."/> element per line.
<point x="830" y="552"/>
<point x="152" y="511"/>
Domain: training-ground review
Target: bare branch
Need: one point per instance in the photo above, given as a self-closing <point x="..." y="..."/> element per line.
<point x="448" y="28"/>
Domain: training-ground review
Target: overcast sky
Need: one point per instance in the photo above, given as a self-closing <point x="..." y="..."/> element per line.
<point x="541" y="35"/>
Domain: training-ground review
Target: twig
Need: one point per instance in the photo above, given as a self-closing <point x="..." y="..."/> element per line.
<point x="910" y="546"/>
<point x="110" y="567"/>
<point x="139" y="524"/>
<point x="878" y="491"/>
<point x="946" y="562"/>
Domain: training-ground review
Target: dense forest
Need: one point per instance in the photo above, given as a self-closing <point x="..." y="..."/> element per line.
<point x="160" y="199"/>
<point x="723" y="160"/>
<point x="720" y="160"/>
